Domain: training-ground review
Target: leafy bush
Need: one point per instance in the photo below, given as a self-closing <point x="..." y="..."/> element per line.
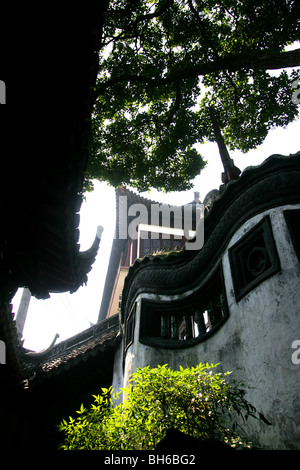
<point x="194" y="400"/>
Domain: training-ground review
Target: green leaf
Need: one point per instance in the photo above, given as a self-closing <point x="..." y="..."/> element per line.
<point x="194" y="400"/>
<point x="152" y="99"/>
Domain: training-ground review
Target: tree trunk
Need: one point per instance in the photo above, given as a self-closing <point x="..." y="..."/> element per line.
<point x="231" y="172"/>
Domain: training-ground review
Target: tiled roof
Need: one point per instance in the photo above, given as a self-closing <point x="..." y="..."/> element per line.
<point x="42" y="169"/>
<point x="13" y="370"/>
<point x="94" y="341"/>
<point x="43" y="166"/>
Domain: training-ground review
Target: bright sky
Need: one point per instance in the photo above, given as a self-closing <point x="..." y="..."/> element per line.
<point x="68" y="314"/>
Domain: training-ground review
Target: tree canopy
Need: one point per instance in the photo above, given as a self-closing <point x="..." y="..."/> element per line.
<point x="164" y="63"/>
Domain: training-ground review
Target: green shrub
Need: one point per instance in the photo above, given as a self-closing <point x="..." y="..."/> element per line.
<point x="194" y="400"/>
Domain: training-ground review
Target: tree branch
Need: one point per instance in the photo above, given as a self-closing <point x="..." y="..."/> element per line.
<point x="206" y="36"/>
<point x="149" y="16"/>
<point x="236" y="62"/>
<point x="159" y="11"/>
<point x="231" y="63"/>
<point x="175" y="108"/>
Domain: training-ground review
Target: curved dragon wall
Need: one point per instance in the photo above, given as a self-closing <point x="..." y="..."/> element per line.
<point x="234" y="302"/>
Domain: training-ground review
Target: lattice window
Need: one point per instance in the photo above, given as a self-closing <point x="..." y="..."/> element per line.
<point x="156" y="245"/>
<point x="146" y="246"/>
<point x="292" y="218"/>
<point x="166" y="244"/>
<point x="179" y="322"/>
<point x="152" y="245"/>
<point x="253" y="259"/>
<point x="129" y="328"/>
<point x="177" y="244"/>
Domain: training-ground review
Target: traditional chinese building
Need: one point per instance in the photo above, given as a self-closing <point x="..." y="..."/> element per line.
<point x="44" y="139"/>
<point x="143" y="227"/>
<point x="234" y="302"/>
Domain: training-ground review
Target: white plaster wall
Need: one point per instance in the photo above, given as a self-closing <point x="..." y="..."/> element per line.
<point x="263" y="326"/>
<point x="255" y="343"/>
<point x="118" y="376"/>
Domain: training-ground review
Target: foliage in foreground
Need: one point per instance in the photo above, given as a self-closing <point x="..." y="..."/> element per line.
<point x="194" y="400"/>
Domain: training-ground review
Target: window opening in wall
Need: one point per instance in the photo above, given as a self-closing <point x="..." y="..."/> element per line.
<point x="129" y="328"/>
<point x="253" y="258"/>
<point x="178" y="323"/>
<point x="152" y="245"/>
<point x="292" y="218"/>
<point x="166" y="244"/>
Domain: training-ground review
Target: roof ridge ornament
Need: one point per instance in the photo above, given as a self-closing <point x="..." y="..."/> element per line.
<point x="39" y="356"/>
